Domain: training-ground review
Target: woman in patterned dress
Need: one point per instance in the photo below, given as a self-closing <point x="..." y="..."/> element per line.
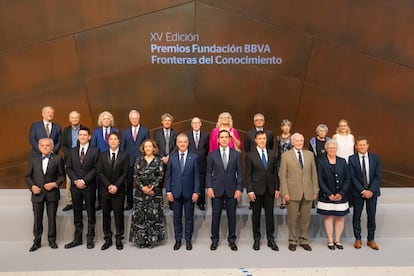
<point x="283" y="144"/>
<point x="148" y="225"/>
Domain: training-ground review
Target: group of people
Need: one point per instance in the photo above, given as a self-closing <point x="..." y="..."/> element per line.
<point x="106" y="165"/>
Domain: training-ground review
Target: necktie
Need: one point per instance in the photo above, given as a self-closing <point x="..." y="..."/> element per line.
<point x="196" y="140"/>
<point x="224" y="157"/>
<point x="182" y="162"/>
<point x="264" y="161"/>
<point x="167" y="141"/>
<point x="47" y="130"/>
<point x="106" y="135"/>
<point x="113" y="160"/>
<point x="364" y="172"/>
<point x="82" y="155"/>
<point x="135" y="134"/>
<point x="300" y="159"/>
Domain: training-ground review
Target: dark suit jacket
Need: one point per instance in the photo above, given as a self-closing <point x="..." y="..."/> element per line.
<point x="38" y="131"/>
<point x="202" y="149"/>
<point x="160" y="140"/>
<point x="250" y="143"/>
<point x="87" y="170"/>
<point x="375" y="172"/>
<point x="224" y="181"/>
<point x="132" y="148"/>
<point x="98" y="139"/>
<point x="260" y="179"/>
<point x="115" y="176"/>
<point x="55" y="173"/>
<point x="67" y="140"/>
<point x="183" y="184"/>
<point x="333" y="181"/>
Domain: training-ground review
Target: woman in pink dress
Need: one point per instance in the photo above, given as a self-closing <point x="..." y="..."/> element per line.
<point x="225" y="121"/>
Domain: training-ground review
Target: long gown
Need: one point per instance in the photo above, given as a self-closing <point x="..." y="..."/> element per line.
<point x="148" y="224"/>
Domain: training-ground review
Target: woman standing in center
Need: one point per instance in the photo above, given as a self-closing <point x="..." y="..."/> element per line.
<point x="225" y="122"/>
<point x="147" y="225"/>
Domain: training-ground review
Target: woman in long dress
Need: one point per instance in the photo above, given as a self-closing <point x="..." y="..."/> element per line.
<point x="148" y="224"/>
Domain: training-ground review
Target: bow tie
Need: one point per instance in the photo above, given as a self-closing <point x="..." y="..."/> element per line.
<point x="46" y="156"/>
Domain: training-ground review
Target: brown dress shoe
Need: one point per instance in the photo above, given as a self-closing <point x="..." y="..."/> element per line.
<point x="358" y="244"/>
<point x="373" y="245"/>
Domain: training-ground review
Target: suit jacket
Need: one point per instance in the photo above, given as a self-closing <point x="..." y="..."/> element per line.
<point x="183" y="184"/>
<point x="202" y="150"/>
<point x="67" y="140"/>
<point x="333" y="181"/>
<point x="132" y="147"/>
<point x="115" y="176"/>
<point x="375" y="172"/>
<point x="295" y="181"/>
<point x="98" y="139"/>
<point x="250" y="143"/>
<point x="160" y="140"/>
<point x="87" y="170"/>
<point x="260" y="179"/>
<point x="55" y="173"/>
<point x="38" y="131"/>
<point x="224" y="181"/>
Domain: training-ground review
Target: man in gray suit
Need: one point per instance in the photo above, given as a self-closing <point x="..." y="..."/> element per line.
<point x="299" y="187"/>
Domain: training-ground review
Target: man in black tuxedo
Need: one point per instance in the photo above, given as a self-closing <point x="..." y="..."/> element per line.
<point x="81" y="167"/>
<point x="199" y="144"/>
<point x="262" y="188"/>
<point x="249" y="140"/>
<point x="131" y="140"/>
<point x="45" y="129"/>
<point x="46" y="173"/>
<point x="112" y="170"/>
<point x="224" y="181"/>
<point x="70" y="141"/>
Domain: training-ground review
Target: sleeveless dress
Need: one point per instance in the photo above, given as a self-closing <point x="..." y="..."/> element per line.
<point x="345" y="146"/>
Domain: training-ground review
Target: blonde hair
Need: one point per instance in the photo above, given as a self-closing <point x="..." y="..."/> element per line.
<point x="348" y="131"/>
<point x="220" y="117"/>
<point x="106" y="113"/>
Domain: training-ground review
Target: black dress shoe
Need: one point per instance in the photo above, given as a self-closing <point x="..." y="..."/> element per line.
<point x="188" y="245"/>
<point x="256" y="245"/>
<point x="233" y="246"/>
<point x="202" y="207"/>
<point x="67" y="207"/>
<point x="177" y="245"/>
<point x="306" y="247"/>
<point x="98" y="207"/>
<point x="273" y="245"/>
<point x="128" y="207"/>
<point x="35" y="247"/>
<point x="106" y="245"/>
<point x="73" y="244"/>
<point x="213" y="245"/>
<point x="119" y="245"/>
<point x="292" y="247"/>
<point x="90" y="245"/>
<point x="53" y="245"/>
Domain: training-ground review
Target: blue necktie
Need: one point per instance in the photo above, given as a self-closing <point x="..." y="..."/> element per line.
<point x="46" y="156"/>
<point x="182" y="161"/>
<point x="364" y="172"/>
<point x="300" y="159"/>
<point x="264" y="161"/>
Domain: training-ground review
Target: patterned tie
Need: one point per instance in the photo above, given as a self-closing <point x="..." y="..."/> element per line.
<point x="196" y="140"/>
<point x="182" y="162"/>
<point x="167" y="141"/>
<point x="364" y="172"/>
<point x="135" y="134"/>
<point x="106" y="135"/>
<point x="264" y="161"/>
<point x="82" y="155"/>
<point x="224" y="157"/>
<point x="300" y="159"/>
<point x="47" y="130"/>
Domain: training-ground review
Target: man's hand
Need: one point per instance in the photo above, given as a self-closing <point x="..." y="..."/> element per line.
<point x="35" y="190"/>
<point x="112" y="189"/>
<point x="50" y="186"/>
<point x="210" y="193"/>
<point x="237" y="194"/>
<point x="252" y="197"/>
<point x="194" y="198"/>
<point x="286" y="198"/>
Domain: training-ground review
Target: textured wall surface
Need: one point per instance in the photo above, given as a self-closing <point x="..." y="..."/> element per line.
<point x="342" y="59"/>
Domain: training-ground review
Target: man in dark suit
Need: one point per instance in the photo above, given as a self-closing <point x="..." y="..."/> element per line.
<point x="366" y="171"/>
<point x="70" y="141"/>
<point x="199" y="143"/>
<point x="299" y="188"/>
<point x="131" y="139"/>
<point x="262" y="188"/>
<point x="183" y="188"/>
<point x="112" y="170"/>
<point x="45" y="129"/>
<point x="81" y="167"/>
<point x="225" y="185"/>
<point x="46" y="173"/>
<point x="249" y="140"/>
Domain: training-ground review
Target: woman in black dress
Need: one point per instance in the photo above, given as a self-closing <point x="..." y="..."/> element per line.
<point x="147" y="225"/>
<point x="334" y="181"/>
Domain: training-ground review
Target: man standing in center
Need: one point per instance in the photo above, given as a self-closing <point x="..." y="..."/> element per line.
<point x="183" y="188"/>
<point x="262" y="188"/>
<point x="299" y="187"/>
<point x="224" y="181"/>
